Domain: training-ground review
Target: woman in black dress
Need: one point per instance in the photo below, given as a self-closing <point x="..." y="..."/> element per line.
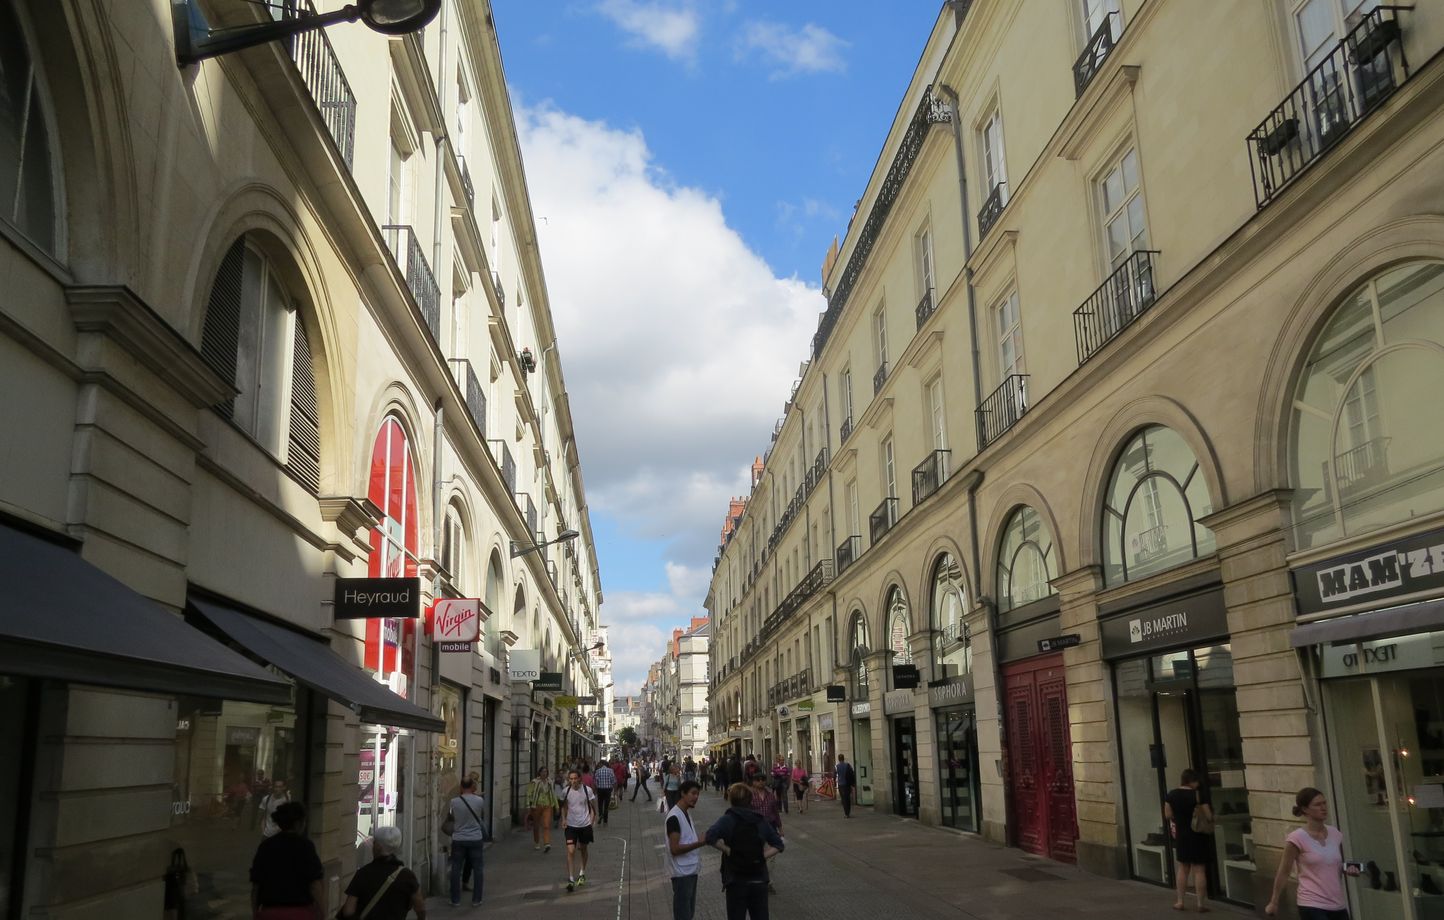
<point x="1190" y="848"/>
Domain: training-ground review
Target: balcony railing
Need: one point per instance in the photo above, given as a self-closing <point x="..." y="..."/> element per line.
<point x="1361" y="467"/>
<point x="466" y="185"/>
<point x="1122" y="298"/>
<point x="879" y="377"/>
<point x="502" y="455"/>
<point x="320" y="70"/>
<point x="527" y="507"/>
<point x="846" y="430"/>
<point x="882" y="519"/>
<point x="1100" y="45"/>
<point x="847" y="552"/>
<point x="929" y="475"/>
<point x="992" y="209"/>
<point x="1002" y="409"/>
<point x="412" y="261"/>
<point x="925" y="307"/>
<point x="475" y="395"/>
<point x="1359" y="73"/>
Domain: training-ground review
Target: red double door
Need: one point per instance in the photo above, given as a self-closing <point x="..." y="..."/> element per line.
<point x="1040" y="758"/>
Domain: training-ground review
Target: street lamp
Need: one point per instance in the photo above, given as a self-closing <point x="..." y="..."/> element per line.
<point x="195" y="40"/>
<point x="521" y="549"/>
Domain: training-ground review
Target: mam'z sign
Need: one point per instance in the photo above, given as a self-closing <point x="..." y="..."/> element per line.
<point x="1401" y="568"/>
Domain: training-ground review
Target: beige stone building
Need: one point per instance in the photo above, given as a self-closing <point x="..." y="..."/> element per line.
<point x="269" y="320"/>
<point x="1149" y="298"/>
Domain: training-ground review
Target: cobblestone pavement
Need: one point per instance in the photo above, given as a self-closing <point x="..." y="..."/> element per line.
<point x="868" y="867"/>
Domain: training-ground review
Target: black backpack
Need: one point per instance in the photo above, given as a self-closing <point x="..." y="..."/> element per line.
<point x="746" y="860"/>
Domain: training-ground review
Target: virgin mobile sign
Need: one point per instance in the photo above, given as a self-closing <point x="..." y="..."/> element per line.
<point x="456" y="620"/>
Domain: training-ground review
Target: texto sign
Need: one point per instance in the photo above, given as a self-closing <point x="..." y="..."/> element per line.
<point x="373" y="598"/>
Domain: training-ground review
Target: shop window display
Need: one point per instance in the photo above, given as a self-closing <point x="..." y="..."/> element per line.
<point x="957" y="760"/>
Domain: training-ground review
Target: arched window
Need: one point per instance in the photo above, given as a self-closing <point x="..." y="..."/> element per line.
<point x="1365" y="448"/>
<point x="453" y="549"/>
<point x="253" y="338"/>
<point x="28" y="195"/>
<point x="899" y="627"/>
<point x="1151" y="512"/>
<point x="395" y="546"/>
<point x="952" y="645"/>
<point x="857" y="634"/>
<point x="1026" y="560"/>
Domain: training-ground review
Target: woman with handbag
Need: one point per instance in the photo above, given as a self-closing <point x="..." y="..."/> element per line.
<point x="1190" y="823"/>
<point x="469" y="821"/>
<point x="541" y="802"/>
<point x="383" y="889"/>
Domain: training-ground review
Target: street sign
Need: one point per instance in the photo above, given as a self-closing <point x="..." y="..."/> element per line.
<point x="377" y="598"/>
<point x="586" y="701"/>
<point x="566" y="702"/>
<point x="1058" y="643"/>
<point x="905" y="676"/>
<point x="836" y="693"/>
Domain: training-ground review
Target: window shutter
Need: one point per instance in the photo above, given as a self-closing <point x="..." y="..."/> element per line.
<point x="303" y="446"/>
<point x="221" y="332"/>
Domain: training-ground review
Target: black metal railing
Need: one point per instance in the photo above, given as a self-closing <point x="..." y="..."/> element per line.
<point x="1002" y="409"/>
<point x="1100" y="45"/>
<point x="879" y="377"/>
<point x="925" y="307"/>
<point x="497" y="286"/>
<point x="846" y="430"/>
<point x="882" y="519"/>
<point x="1121" y="299"/>
<point x="1361" y="467"/>
<point x="406" y="249"/>
<point x="502" y="455"/>
<point x="474" y="394"/>
<point x="992" y="209"/>
<point x="527" y="507"/>
<point x="320" y="70"/>
<point x="1358" y="75"/>
<point x="847" y="552"/>
<point x="466" y="186"/>
<point x="930" y="475"/>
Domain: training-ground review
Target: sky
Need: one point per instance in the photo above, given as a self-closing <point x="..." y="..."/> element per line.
<point x="689" y="163"/>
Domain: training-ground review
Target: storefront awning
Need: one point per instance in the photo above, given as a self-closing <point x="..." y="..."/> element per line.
<point x="314" y="664"/>
<point x="63" y="618"/>
<point x="1376" y="624"/>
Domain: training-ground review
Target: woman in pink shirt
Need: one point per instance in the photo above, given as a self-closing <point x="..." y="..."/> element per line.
<point x="799" y="786"/>
<point x="1318" y="851"/>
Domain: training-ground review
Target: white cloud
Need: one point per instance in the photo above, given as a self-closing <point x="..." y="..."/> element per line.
<point x="670" y="28"/>
<point x="790" y="51"/>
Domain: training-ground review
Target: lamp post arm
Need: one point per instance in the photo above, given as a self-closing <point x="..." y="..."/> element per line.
<point x="196" y="40"/>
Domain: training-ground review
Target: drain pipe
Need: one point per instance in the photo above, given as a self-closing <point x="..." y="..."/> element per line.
<point x="956" y="121"/>
<point x="443" y="141"/>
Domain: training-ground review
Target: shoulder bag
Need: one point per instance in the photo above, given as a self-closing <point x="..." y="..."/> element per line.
<point x="375" y="898"/>
<point x="1202" y="823"/>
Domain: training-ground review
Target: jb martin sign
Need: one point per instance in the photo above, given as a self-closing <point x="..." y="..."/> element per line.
<point x="1178" y="622"/>
<point x="1401" y="568"/>
<point x="377" y="598"/>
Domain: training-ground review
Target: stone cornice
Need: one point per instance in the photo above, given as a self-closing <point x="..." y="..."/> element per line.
<point x="350" y="515"/>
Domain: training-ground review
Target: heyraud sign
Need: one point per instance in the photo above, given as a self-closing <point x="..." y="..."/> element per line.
<point x="377" y="598"/>
<point x="1400" y="568"/>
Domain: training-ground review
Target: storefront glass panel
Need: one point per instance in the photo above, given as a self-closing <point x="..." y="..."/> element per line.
<point x="957" y="767"/>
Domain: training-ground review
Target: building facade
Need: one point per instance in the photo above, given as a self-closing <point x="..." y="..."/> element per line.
<point x="693" y="662"/>
<point x="272" y="319"/>
<point x="1143" y="313"/>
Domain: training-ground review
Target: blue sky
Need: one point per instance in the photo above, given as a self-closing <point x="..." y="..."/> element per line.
<point x="689" y="163"/>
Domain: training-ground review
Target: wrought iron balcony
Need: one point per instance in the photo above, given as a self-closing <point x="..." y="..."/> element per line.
<point x="1100" y="45"/>
<point x="929" y="475"/>
<point x="846" y="430"/>
<point x="406" y="249"/>
<point x="502" y="455"/>
<point x="321" y="71"/>
<point x="925" y="307"/>
<point x="1361" y="468"/>
<point x="475" y="395"/>
<point x="1002" y="409"/>
<point x="847" y="552"/>
<point x="496" y="286"/>
<point x="879" y="377"/>
<point x="466" y="185"/>
<point x="1359" y="73"/>
<point x="992" y="209"/>
<point x="882" y="519"/>
<point x="1123" y="297"/>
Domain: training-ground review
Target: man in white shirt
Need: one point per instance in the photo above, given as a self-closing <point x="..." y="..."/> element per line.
<point x="579" y="804"/>
<point x="682" y="863"/>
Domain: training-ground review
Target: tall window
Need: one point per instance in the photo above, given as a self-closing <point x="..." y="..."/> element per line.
<point x="1027" y="560"/>
<point x="1008" y="325"/>
<point x="995" y="169"/>
<point x="1366" y="450"/>
<point x="879" y="336"/>
<point x="395" y="547"/>
<point x="889" y="469"/>
<point x="1096" y="12"/>
<point x="937" y="419"/>
<point x="1321" y="23"/>
<point x="952" y="646"/>
<point x="453" y="549"/>
<point x="923" y="245"/>
<point x="1154" y="501"/>
<point x="845" y="393"/>
<point x="899" y="627"/>
<point x="854" y="521"/>
<point x="1125" y="230"/>
<point x="398" y="192"/>
<point x="857" y="634"/>
<point x="27" y="179"/>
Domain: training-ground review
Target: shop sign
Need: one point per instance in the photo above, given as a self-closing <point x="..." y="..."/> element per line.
<point x="862" y="710"/>
<point x="897" y="701"/>
<point x="905" y="676"/>
<point x="1189" y="620"/>
<point x="804" y="705"/>
<point x="1058" y="643"/>
<point x="566" y="702"/>
<point x="455" y="646"/>
<point x="377" y="598"/>
<point x="1403" y="567"/>
<point x="952" y="693"/>
<point x="548" y="680"/>
<point x="825" y="723"/>
<point x="523" y="664"/>
<point x="836" y="693"/>
<point x="452" y="619"/>
<point x="586" y="701"/>
<point x="1400" y="654"/>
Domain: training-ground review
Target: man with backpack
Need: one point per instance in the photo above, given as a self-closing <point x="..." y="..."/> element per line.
<point x="746" y="841"/>
<point x="580" y="805"/>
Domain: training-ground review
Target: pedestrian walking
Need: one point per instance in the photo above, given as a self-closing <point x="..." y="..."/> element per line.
<point x="541" y="801"/>
<point x="1317" y="849"/>
<point x="683" y="863"/>
<point x="580" y="805"/>
<point x="286" y="873"/>
<point x="746" y="842"/>
<point x="606" y="780"/>
<point x="672" y="785"/>
<point x="846" y="778"/>
<point x="801" y="782"/>
<point x="384" y="889"/>
<point x="641" y="782"/>
<point x="767" y="804"/>
<point x="689" y="769"/>
<point x="559" y="786"/>
<point x="1189" y="818"/>
<point x="781" y="779"/>
<point x="619" y="767"/>
<point x="470" y="820"/>
<point x="279" y="795"/>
